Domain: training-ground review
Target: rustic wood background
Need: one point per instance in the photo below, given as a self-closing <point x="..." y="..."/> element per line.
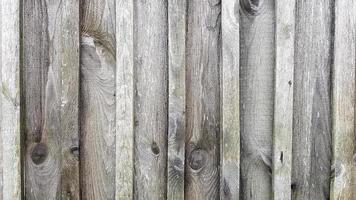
<point x="178" y="99"/>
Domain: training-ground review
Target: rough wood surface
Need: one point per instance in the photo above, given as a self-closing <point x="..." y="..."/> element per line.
<point x="283" y="100"/>
<point x="124" y="100"/>
<point x="98" y="99"/>
<point x="10" y="99"/>
<point x="230" y="110"/>
<point x="312" y="123"/>
<point x="203" y="99"/>
<point x="151" y="95"/>
<point x="176" y="107"/>
<point x="344" y="102"/>
<point x="51" y="85"/>
<point x="256" y="78"/>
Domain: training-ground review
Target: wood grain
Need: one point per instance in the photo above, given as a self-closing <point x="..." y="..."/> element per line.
<point x="124" y="100"/>
<point x="283" y="100"/>
<point x="203" y="99"/>
<point x="10" y="99"/>
<point x="257" y="63"/>
<point x="176" y="107"/>
<point x="230" y="100"/>
<point x="344" y="102"/>
<point x="312" y="123"/>
<point x="151" y="95"/>
<point x="51" y="85"/>
<point x="98" y="99"/>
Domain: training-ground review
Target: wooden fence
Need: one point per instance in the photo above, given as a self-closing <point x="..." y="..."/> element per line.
<point x="178" y="99"/>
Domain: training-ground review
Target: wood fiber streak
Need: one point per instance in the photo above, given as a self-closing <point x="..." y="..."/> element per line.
<point x="344" y="102"/>
<point x="203" y="99"/>
<point x="151" y="96"/>
<point x="312" y="123"/>
<point x="10" y="100"/>
<point x="283" y="100"/>
<point x="97" y="99"/>
<point x="230" y="103"/>
<point x="257" y="62"/>
<point x="176" y="115"/>
<point x="51" y="84"/>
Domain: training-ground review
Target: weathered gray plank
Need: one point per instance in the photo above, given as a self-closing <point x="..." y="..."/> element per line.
<point x="256" y="78"/>
<point x="311" y="124"/>
<point x="230" y="108"/>
<point x="344" y="102"/>
<point x="1" y="149"/>
<point x="124" y="100"/>
<point x="51" y="84"/>
<point x="203" y="105"/>
<point x="283" y="100"/>
<point x="176" y="107"/>
<point x="10" y="99"/>
<point x="98" y="99"/>
<point x="151" y="95"/>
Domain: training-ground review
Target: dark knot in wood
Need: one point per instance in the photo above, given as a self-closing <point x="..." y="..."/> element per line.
<point x="154" y="148"/>
<point x="39" y="153"/>
<point x="251" y="7"/>
<point x="197" y="159"/>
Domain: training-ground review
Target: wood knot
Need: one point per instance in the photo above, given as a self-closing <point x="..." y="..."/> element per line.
<point x="197" y="159"/>
<point x="39" y="153"/>
<point x="75" y="151"/>
<point x="178" y="164"/>
<point x="154" y="148"/>
<point x="251" y="7"/>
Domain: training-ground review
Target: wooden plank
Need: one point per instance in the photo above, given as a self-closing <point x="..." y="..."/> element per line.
<point x="203" y="99"/>
<point x="151" y="123"/>
<point x="312" y="124"/>
<point x="124" y="100"/>
<point x="344" y="102"/>
<point x="230" y="108"/>
<point x="257" y="62"/>
<point x="51" y="85"/>
<point x="10" y="99"/>
<point x="98" y="99"/>
<point x="176" y="107"/>
<point x="1" y="136"/>
<point x="283" y="100"/>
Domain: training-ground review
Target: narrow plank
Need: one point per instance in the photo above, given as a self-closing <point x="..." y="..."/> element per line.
<point x="69" y="56"/>
<point x="230" y="103"/>
<point x="257" y="62"/>
<point x="203" y="99"/>
<point x="311" y="110"/>
<point x="10" y="99"/>
<point x="124" y="100"/>
<point x="283" y="100"/>
<point x="1" y="149"/>
<point x="97" y="91"/>
<point x="151" y="95"/>
<point x="51" y="84"/>
<point x="344" y="102"/>
<point x="176" y="107"/>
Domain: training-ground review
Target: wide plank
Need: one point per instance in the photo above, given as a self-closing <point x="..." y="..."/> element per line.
<point x="203" y="99"/>
<point x="344" y="102"/>
<point x="10" y="100"/>
<point x="283" y="100"/>
<point x="311" y="110"/>
<point x="230" y="101"/>
<point x="257" y="62"/>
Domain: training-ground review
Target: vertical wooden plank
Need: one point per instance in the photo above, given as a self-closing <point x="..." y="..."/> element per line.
<point x="283" y="100"/>
<point x="98" y="99"/>
<point x="69" y="56"/>
<point x="230" y="108"/>
<point x="311" y="109"/>
<point x="203" y="99"/>
<point x="343" y="110"/>
<point x="1" y="136"/>
<point x="10" y="99"/>
<point x="51" y="85"/>
<point x="151" y="95"/>
<point x="124" y="100"/>
<point x="257" y="34"/>
<point x="176" y="107"/>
